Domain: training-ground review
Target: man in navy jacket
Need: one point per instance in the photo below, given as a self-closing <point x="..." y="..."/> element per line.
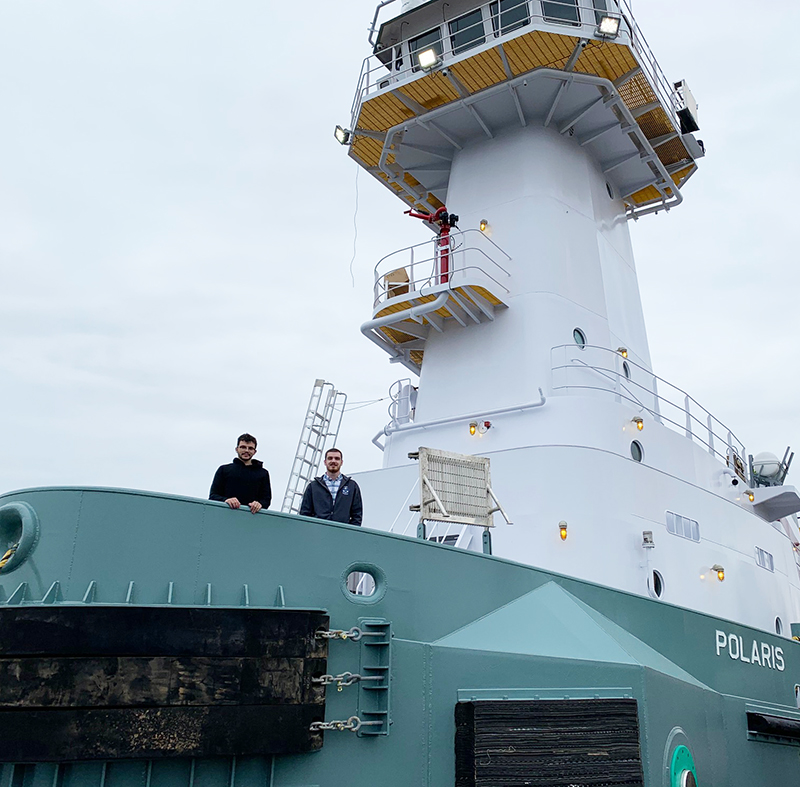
<point x="333" y="496"/>
<point x="244" y="481"/>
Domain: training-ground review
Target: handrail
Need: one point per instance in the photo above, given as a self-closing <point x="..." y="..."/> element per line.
<point x="398" y="66"/>
<point x="382" y="289"/>
<point x="693" y="427"/>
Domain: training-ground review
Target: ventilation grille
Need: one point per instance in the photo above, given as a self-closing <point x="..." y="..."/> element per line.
<point x="548" y="743"/>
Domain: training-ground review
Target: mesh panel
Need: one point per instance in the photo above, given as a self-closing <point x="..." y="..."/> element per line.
<point x="461" y="482"/>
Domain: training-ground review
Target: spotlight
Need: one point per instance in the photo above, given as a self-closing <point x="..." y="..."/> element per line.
<point x="750" y="496"/>
<point x="639" y="423"/>
<point x="608" y="27"/>
<point x="623" y="351"/>
<point x="428" y="59"/>
<point x="484" y="225"/>
<point x="342" y="135"/>
<point x="473" y="427"/>
<point x="562" y="530"/>
<point x="720" y="571"/>
<point x="647" y="540"/>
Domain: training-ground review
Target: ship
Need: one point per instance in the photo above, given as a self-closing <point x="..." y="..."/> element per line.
<point x="570" y="572"/>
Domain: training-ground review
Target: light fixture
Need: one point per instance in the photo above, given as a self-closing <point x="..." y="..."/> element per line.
<point x="750" y="496"/>
<point x="484" y="225"/>
<point x="428" y="59"/>
<point x="623" y="351"/>
<point x="473" y="427"/>
<point x="562" y="530"/>
<point x="639" y="422"/>
<point x="608" y="27"/>
<point x="647" y="540"/>
<point x="342" y="135"/>
<point x="720" y="571"/>
<point x="484" y="426"/>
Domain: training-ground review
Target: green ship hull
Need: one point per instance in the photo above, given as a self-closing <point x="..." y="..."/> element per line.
<point x="588" y="685"/>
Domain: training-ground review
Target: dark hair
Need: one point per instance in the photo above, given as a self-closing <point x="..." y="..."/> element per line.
<point x="330" y="450"/>
<point x="247" y="438"/>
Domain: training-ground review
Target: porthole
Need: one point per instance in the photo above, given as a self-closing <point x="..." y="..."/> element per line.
<point x="655" y="585"/>
<point x="609" y="190"/>
<point x="626" y="370"/>
<point x="778" y="626"/>
<point x="363" y="583"/>
<point x="637" y="452"/>
<point x="580" y="338"/>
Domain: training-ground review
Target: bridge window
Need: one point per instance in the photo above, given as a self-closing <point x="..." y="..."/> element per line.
<point x="508" y="15"/>
<point x="467" y="32"/>
<point x="430" y="40"/>
<point x="562" y="11"/>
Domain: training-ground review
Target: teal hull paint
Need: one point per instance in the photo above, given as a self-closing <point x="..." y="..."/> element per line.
<point x="463" y="623"/>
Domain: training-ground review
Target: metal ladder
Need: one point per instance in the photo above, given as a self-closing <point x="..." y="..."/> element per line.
<point x="320" y="430"/>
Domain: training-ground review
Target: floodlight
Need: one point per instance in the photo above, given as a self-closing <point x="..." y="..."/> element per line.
<point x="428" y="59"/>
<point x="342" y="135"/>
<point x="608" y="27"/>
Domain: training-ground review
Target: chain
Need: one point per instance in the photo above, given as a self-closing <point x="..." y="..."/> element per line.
<point x="354" y="634"/>
<point x="345" y="679"/>
<point x="353" y="724"/>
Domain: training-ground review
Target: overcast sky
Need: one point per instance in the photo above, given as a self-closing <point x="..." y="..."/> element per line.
<point x="177" y="227"/>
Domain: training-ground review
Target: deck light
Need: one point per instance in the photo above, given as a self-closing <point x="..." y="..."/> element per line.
<point x="720" y="571"/>
<point x="623" y="351"/>
<point x="750" y="496"/>
<point x="428" y="59"/>
<point x="608" y="27"/>
<point x="562" y="530"/>
<point x="342" y="135"/>
<point x="473" y="427"/>
<point x="483" y="225"/>
<point x="639" y="423"/>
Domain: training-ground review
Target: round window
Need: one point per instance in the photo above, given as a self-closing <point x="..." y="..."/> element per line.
<point x="580" y="338"/>
<point x="610" y="190"/>
<point x="637" y="452"/>
<point x="626" y="370"/>
<point x="655" y="585"/>
<point x="688" y="780"/>
<point x="778" y="626"/>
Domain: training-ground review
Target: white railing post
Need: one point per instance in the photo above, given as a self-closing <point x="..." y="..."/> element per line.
<point x="656" y="401"/>
<point x="710" y="435"/>
<point x="688" y="417"/>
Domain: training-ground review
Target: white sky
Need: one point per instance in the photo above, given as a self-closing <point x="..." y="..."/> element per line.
<point x="176" y="228"/>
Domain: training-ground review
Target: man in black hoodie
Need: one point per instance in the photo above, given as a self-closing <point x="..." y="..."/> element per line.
<point x="243" y="481"/>
<point x="333" y="495"/>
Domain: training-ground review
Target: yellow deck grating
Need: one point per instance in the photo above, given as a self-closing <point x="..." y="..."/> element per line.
<point x="526" y="52"/>
<point x="606" y="60"/>
<point x="483" y="70"/>
<point x="636" y="92"/>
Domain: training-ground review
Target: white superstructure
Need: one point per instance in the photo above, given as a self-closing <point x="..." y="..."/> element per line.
<point x="543" y="127"/>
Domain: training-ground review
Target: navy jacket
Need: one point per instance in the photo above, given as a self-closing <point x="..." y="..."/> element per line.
<point x="317" y="502"/>
<point x="244" y="482"/>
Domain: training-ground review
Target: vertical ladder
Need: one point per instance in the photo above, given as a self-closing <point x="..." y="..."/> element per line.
<point x="320" y="430"/>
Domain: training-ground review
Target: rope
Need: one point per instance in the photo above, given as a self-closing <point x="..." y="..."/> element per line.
<point x="8" y="555"/>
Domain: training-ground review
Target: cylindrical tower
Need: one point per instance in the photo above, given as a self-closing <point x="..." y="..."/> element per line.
<point x="542" y="127"/>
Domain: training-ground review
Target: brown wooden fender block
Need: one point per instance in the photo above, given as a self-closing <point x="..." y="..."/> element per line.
<point x="107" y="682"/>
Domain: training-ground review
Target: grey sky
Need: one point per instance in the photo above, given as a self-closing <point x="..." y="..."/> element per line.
<point x="176" y="226"/>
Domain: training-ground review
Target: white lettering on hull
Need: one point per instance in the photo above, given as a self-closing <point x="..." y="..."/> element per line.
<point x="761" y="653"/>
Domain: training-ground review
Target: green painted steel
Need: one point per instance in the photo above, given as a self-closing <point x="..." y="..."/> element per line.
<point x="682" y="762"/>
<point x="463" y="625"/>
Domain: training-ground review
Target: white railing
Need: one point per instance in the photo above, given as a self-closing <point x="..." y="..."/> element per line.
<point x="601" y="369"/>
<point x="460" y="38"/>
<point x="469" y="254"/>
